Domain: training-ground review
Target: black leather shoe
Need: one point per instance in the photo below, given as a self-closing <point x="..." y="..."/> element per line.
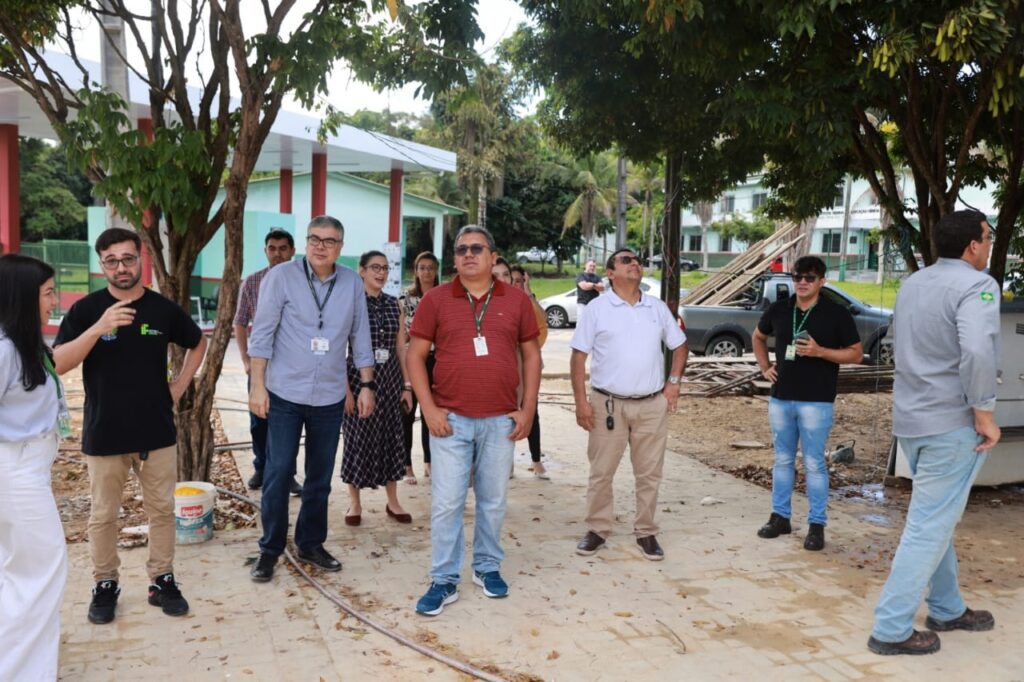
<point x="776" y="526"/>
<point x="650" y="547"/>
<point x="320" y="558"/>
<point x="815" y="539"/>
<point x="256" y="481"/>
<point x="295" y="488"/>
<point x="590" y="543"/>
<point x="263" y="570"/>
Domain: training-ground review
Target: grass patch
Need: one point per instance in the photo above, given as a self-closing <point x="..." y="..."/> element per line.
<point x="878" y="295"/>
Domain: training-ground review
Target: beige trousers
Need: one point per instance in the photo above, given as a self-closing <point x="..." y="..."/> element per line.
<point x="643" y="425"/>
<point x="158" y="475"/>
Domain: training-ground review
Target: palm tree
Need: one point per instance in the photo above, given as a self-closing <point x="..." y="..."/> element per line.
<point x="596" y="180"/>
<point x="647" y="181"/>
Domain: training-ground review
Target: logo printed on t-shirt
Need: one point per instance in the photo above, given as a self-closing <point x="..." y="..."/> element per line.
<point x="145" y="330"/>
<point x="987" y="296"/>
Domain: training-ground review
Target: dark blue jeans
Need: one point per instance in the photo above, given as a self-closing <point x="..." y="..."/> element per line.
<point x="258" y="431"/>
<point x="323" y="428"/>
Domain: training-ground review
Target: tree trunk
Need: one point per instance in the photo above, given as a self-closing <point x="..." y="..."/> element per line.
<point x="481" y="204"/>
<point x="670" y="241"/>
<point x="620" y="205"/>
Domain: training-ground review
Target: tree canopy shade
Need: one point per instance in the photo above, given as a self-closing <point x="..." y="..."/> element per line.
<point x="199" y="145"/>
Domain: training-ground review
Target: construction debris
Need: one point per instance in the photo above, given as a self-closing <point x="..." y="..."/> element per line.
<point x="707" y="377"/>
<point x="726" y="286"/>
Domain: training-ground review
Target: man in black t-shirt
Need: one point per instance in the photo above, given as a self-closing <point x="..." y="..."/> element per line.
<point x="120" y="336"/>
<point x="813" y="336"/>
<point x="588" y="287"/>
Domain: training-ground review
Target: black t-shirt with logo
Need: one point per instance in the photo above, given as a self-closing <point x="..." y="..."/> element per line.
<point x="128" y="404"/>
<point x="808" y="379"/>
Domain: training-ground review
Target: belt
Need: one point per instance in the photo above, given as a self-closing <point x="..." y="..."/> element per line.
<point x="625" y="397"/>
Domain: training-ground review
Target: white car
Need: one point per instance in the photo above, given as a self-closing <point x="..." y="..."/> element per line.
<point x="536" y="255"/>
<point x="561" y="308"/>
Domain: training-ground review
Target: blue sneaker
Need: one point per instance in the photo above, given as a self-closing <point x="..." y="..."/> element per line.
<point x="491" y="581"/>
<point x="437" y="597"/>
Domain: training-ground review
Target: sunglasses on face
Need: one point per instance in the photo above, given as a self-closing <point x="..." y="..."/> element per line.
<point x="810" y="279"/>
<point x="114" y="263"/>
<point x="475" y="249"/>
<point x="329" y="243"/>
<point x="378" y="268"/>
<point x="626" y="260"/>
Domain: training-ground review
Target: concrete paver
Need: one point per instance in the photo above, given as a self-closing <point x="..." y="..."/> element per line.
<point x="723" y="605"/>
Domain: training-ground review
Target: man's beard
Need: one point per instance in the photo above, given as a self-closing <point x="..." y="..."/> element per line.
<point x="130" y="283"/>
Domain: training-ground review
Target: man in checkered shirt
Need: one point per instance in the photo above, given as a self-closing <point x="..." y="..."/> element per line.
<point x="279" y="247"/>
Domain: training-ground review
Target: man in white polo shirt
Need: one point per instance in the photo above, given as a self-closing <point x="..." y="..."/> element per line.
<point x="630" y="398"/>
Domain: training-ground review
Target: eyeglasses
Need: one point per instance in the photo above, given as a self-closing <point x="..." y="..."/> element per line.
<point x="626" y="260"/>
<point x="377" y="267"/>
<point x="810" y="279"/>
<point x="113" y="263"/>
<point x="475" y="249"/>
<point x="329" y="243"/>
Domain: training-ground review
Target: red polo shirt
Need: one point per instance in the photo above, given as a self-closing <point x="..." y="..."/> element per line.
<point x="465" y="383"/>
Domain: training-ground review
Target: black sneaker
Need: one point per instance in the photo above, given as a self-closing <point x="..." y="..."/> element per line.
<point x="165" y="594"/>
<point x="263" y="570"/>
<point x="104" y="602"/>
<point x="776" y="526"/>
<point x="590" y="543"/>
<point x="295" y="488"/>
<point x="256" y="482"/>
<point x="320" y="557"/>
<point x="815" y="539"/>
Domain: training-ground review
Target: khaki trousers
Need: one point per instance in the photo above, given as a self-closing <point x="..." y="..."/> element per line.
<point x="643" y="425"/>
<point x="158" y="475"/>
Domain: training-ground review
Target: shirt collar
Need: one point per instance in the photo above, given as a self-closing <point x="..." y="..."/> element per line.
<point x="954" y="262"/>
<point x="459" y="291"/>
<point x="645" y="300"/>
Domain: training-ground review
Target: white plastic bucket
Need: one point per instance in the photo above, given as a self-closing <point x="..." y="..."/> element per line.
<point x="193" y="514"/>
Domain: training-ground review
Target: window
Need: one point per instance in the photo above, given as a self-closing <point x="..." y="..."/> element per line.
<point x="695" y="244"/>
<point x="759" y="199"/>
<point x="728" y="204"/>
<point x="853" y="239"/>
<point x="781" y="292"/>
<point x="831" y="242"/>
<point x="840" y="200"/>
<point x="726" y="244"/>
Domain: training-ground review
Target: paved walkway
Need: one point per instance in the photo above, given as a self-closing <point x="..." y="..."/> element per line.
<point x="723" y="605"/>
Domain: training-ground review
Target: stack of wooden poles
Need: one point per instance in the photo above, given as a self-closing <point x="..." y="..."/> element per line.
<point x="707" y="377"/>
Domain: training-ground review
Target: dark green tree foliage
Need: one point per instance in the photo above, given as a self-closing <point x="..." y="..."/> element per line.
<point x="52" y="197"/>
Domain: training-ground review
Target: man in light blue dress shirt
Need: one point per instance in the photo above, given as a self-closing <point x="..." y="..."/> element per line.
<point x="309" y="311"/>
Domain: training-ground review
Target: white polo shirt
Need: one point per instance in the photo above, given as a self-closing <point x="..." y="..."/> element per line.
<point x="625" y="343"/>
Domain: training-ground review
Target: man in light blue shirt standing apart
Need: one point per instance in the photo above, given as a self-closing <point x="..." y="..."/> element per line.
<point x="309" y="311"/>
<point x="946" y="337"/>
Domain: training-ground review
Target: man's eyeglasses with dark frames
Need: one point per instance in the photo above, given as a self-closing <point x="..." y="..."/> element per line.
<point x="810" y="279"/>
<point x="475" y="249"/>
<point x="329" y="243"/>
<point x="113" y="263"/>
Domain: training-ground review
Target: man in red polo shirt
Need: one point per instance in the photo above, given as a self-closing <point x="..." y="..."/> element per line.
<point x="478" y="326"/>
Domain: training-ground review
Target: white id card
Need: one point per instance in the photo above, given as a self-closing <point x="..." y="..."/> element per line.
<point x="480" y="346"/>
<point x="319" y="345"/>
<point x="381" y="355"/>
<point x="791" y="352"/>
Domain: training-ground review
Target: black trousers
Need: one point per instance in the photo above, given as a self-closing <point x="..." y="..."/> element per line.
<point x="534" y="438"/>
<point x="408" y="419"/>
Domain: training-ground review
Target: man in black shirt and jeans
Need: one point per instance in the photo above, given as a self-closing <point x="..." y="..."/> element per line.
<point x="120" y="336"/>
<point x="813" y="336"/>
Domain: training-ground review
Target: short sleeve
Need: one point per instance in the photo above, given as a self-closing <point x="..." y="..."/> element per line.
<point x="9" y="366"/>
<point x="765" y="324"/>
<point x="528" y="329"/>
<point x="586" y="329"/>
<point x="185" y="332"/>
<point x="72" y="326"/>
<point x="245" y="307"/>
<point x="424" y="323"/>
<point x="671" y="334"/>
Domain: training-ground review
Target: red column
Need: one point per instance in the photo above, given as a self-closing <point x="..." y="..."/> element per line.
<point x="395" y="205"/>
<point x="319" y="184"/>
<point x="10" y="190"/>
<point x="146" y="126"/>
<point x="286" y="190"/>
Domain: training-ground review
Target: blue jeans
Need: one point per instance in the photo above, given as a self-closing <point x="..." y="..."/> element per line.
<point x="258" y="431"/>
<point x="285" y="423"/>
<point x="943" y="468"/>
<point x="480" y="445"/>
<point x="810" y="423"/>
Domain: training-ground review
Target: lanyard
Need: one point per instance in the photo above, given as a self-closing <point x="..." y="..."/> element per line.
<point x="803" y="323"/>
<point x="478" y="319"/>
<point x="316" y="299"/>
<point x="51" y="370"/>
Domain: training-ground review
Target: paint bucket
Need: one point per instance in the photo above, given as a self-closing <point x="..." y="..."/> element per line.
<point x="193" y="512"/>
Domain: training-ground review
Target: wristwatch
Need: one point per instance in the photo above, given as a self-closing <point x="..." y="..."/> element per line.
<point x="674" y="380"/>
<point x="371" y="384"/>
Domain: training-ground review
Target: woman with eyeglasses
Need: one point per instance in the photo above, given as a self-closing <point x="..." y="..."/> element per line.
<point x="33" y="415"/>
<point x="425" y="278"/>
<point x="374" y="453"/>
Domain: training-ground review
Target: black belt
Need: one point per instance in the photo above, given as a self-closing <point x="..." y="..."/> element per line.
<point x="625" y="397"/>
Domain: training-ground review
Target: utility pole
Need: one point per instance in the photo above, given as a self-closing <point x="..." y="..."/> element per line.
<point x="115" y="74"/>
<point x="846" y="229"/>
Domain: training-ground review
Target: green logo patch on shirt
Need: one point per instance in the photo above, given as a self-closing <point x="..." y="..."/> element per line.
<point x="987" y="296"/>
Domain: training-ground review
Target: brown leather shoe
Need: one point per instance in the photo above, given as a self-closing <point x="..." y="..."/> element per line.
<point x="974" y="621"/>
<point x="650" y="548"/>
<point x="919" y="643"/>
<point x="353" y="519"/>
<point x="590" y="543"/>
<point x="401" y="518"/>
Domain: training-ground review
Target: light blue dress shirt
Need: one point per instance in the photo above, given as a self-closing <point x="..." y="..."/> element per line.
<point x="23" y="414"/>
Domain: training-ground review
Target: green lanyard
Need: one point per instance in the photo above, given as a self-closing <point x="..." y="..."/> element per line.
<point x="803" y="323"/>
<point x="478" y="319"/>
<point x="52" y="371"/>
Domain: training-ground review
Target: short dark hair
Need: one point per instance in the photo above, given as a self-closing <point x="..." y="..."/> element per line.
<point x="809" y="265"/>
<point x="955" y="231"/>
<point x="116" y="235"/>
<point x="327" y="221"/>
<point x="476" y="229"/>
<point x="365" y="259"/>
<point x="278" y="233"/>
<point x="610" y="265"/>
<point x="20" y="280"/>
